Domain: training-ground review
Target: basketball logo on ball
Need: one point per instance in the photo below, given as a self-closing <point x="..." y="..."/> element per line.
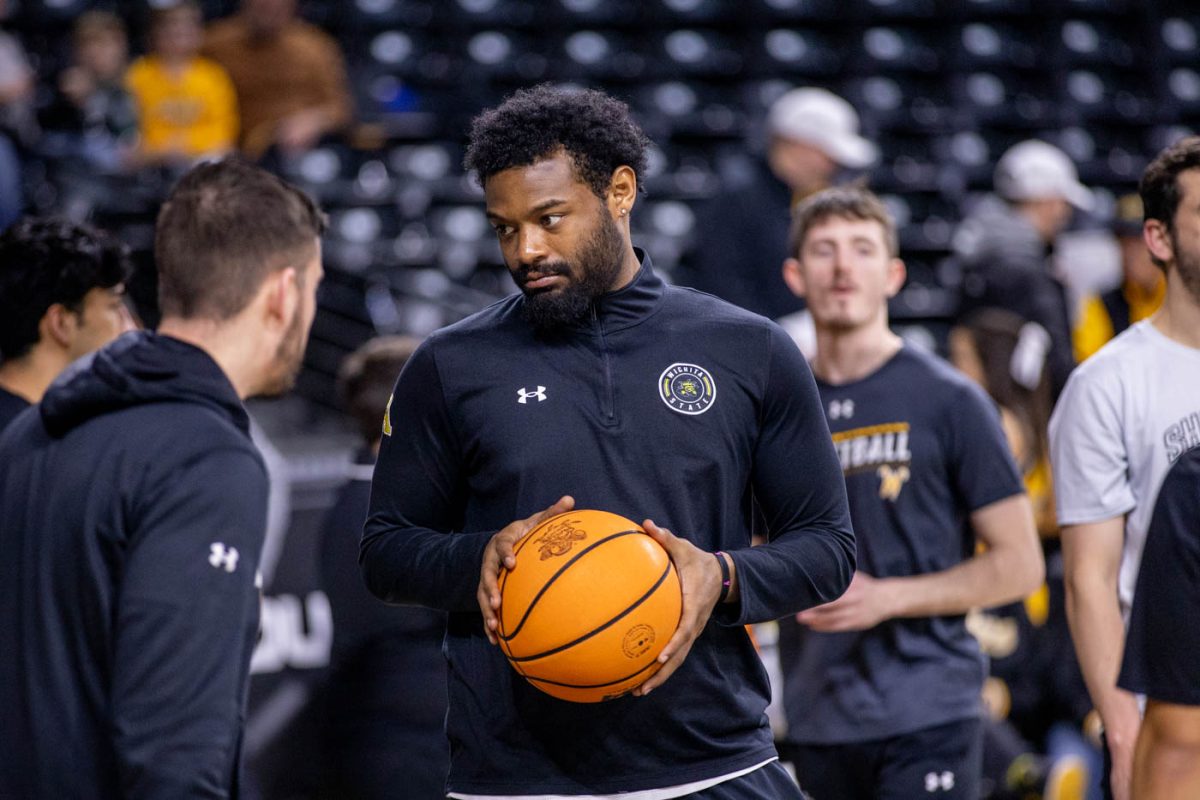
<point x="586" y="619"/>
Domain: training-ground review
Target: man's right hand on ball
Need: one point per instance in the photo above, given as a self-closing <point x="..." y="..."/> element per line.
<point x="499" y="553"/>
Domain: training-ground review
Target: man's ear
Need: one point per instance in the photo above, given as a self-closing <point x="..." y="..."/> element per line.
<point x="622" y="192"/>
<point x="897" y="274"/>
<point x="793" y="276"/>
<point x="281" y="296"/>
<point x="58" y="325"/>
<point x="1158" y="240"/>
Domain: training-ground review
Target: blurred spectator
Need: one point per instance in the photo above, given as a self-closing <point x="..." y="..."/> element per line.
<point x="1035" y="693"/>
<point x="290" y="77"/>
<point x="1006" y="356"/>
<point x="92" y="116"/>
<point x="742" y="233"/>
<point x="186" y="104"/>
<point x="61" y="289"/>
<point x="386" y="694"/>
<point x="17" y="125"/>
<point x="1005" y="246"/>
<point x="1138" y="296"/>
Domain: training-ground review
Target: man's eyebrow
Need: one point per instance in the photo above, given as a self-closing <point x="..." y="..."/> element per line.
<point x="539" y="208"/>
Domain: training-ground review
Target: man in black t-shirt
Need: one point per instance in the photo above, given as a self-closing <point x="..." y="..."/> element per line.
<point x="1164" y="638"/>
<point x="882" y="686"/>
<point x="61" y="288"/>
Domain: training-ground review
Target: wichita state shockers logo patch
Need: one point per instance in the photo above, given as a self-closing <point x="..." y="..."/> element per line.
<point x="687" y="388"/>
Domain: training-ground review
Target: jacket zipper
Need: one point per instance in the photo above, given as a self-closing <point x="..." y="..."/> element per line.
<point x="607" y="397"/>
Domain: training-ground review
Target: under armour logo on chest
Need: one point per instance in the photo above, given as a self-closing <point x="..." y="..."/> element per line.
<point x="222" y="556"/>
<point x="935" y="781"/>
<point x="523" y="395"/>
<point x="841" y="409"/>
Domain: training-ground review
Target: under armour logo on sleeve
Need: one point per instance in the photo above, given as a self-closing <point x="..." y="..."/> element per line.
<point x="222" y="556"/>
<point x="523" y="395"/>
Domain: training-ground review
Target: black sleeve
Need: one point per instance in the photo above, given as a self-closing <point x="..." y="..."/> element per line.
<point x="810" y="556"/>
<point x="1164" y="635"/>
<point x="185" y="626"/>
<point x="980" y="461"/>
<point x="418" y="495"/>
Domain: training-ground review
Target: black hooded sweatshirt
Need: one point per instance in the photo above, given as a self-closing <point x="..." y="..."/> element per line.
<point x="132" y="511"/>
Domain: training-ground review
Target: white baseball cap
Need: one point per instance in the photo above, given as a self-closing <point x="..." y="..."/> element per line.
<point x="1035" y="170"/>
<point x="824" y="120"/>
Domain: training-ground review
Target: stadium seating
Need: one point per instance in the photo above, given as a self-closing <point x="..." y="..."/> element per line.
<point x="943" y="86"/>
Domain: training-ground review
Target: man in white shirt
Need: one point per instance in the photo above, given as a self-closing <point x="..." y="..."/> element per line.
<point x="1124" y="417"/>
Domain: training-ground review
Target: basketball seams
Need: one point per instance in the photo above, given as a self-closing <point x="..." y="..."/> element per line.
<point x="558" y="573"/>
<point x="630" y="676"/>
<point x="648" y="594"/>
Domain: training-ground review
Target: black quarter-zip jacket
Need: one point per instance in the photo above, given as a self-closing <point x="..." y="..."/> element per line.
<point x="666" y="403"/>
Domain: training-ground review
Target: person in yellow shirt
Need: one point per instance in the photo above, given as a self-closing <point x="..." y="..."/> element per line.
<point x="186" y="104"/>
<point x="1139" y="295"/>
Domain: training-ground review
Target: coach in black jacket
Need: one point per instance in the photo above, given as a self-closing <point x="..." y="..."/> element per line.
<point x="601" y="382"/>
<point x="132" y="510"/>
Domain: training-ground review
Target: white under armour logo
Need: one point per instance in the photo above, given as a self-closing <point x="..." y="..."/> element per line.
<point x="935" y="781"/>
<point x="523" y="395"/>
<point x="839" y="409"/>
<point x="222" y="556"/>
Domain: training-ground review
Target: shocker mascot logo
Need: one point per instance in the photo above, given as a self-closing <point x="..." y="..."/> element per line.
<point x="891" y="481"/>
<point x="558" y="539"/>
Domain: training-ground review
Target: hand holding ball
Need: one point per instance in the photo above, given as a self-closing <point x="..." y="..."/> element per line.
<point x="588" y="608"/>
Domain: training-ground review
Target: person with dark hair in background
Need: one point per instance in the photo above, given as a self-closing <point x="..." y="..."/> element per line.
<point x="1126" y="417"/>
<point x="92" y="119"/>
<point x="17" y="123"/>
<point x="1034" y="693"/>
<point x="62" y="291"/>
<point x="882" y="686"/>
<point x="290" y="77"/>
<point x="1005" y="246"/>
<point x="385" y="697"/>
<point x="638" y="398"/>
<point x="1139" y="294"/>
<point x="812" y="135"/>
<point x="133" y="506"/>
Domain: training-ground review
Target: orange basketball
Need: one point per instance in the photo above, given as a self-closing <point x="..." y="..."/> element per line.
<point x="589" y="606"/>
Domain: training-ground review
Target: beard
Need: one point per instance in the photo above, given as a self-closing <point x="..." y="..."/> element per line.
<point x="289" y="356"/>
<point x="590" y="275"/>
<point x="1188" y="264"/>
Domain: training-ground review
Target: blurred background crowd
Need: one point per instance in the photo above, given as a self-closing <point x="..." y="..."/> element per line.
<point x="1005" y="136"/>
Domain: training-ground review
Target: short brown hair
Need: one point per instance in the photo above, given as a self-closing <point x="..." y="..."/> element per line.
<point x="847" y="202"/>
<point x="366" y="378"/>
<point x="223" y="229"/>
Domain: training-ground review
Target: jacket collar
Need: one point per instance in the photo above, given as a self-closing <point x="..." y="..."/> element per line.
<point x="633" y="302"/>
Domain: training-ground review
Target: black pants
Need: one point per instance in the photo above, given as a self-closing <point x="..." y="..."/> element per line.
<point x="939" y="763"/>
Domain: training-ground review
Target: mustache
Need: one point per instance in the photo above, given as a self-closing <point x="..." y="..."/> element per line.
<point x="543" y="270"/>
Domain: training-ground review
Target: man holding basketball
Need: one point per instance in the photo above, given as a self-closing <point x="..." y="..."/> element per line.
<point x="561" y="389"/>
<point x="882" y="686"/>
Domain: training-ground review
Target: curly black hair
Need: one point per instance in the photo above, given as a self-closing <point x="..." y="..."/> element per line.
<point x="595" y="130"/>
<point x="45" y="260"/>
